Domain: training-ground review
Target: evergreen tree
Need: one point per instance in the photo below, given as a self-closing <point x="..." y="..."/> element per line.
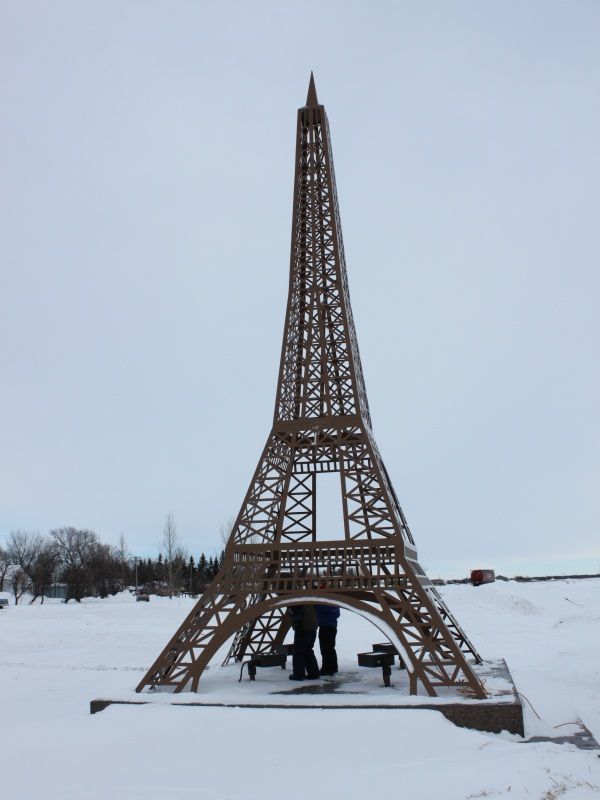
<point x="190" y="575"/>
<point x="202" y="567"/>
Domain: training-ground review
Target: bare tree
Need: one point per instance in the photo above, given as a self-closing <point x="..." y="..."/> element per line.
<point x="103" y="569"/>
<point x="23" y="547"/>
<point x="225" y="531"/>
<point x="75" y="549"/>
<point x="23" y="550"/>
<point x="169" y="543"/>
<point x="4" y="565"/>
<point x="20" y="583"/>
<point x="43" y="568"/>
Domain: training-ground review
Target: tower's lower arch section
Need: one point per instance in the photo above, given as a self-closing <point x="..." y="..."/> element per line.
<point x="434" y="663"/>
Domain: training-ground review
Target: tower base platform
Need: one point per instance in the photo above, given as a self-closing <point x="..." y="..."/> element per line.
<point x="351" y="688"/>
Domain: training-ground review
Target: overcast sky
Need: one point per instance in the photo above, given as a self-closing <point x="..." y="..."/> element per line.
<point x="146" y="185"/>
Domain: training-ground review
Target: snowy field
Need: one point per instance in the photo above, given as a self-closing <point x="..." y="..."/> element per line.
<point x="55" y="658"/>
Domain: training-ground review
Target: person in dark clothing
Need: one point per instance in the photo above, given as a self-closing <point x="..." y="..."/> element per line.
<point x="327" y="617"/>
<point x="304" y="623"/>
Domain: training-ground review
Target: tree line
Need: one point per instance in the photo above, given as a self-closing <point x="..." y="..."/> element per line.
<point x="83" y="566"/>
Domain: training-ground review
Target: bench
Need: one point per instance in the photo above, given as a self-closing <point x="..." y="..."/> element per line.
<point x="144" y="598"/>
<point x="3" y="602"/>
<point x="388" y="647"/>
<point x="383" y="660"/>
<point x="288" y="649"/>
<point x="263" y="660"/>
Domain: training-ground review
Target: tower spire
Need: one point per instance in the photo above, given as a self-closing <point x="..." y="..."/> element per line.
<point x="311" y="97"/>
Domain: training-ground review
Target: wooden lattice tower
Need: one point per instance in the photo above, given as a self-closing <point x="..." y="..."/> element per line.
<point x="277" y="555"/>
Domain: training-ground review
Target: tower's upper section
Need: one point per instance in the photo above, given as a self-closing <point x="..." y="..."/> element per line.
<point x="320" y="373"/>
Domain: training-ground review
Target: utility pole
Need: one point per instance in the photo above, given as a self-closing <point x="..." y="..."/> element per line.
<point x="122" y="551"/>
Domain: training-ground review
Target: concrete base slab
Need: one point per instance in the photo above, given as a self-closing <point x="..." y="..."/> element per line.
<point x="490" y="717"/>
<point x="351" y="689"/>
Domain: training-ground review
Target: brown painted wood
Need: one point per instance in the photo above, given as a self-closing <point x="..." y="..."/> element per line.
<point x="277" y="554"/>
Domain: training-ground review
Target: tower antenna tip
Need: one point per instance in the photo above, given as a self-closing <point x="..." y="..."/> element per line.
<point x="311" y="97"/>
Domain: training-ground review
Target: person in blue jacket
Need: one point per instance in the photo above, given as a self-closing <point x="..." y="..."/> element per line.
<point x="328" y="619"/>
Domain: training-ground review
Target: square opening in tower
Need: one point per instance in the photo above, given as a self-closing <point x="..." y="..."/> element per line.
<point x="330" y="514"/>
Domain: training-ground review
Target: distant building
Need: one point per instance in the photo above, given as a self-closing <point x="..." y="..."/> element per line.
<point x="58" y="591"/>
<point x="479" y="576"/>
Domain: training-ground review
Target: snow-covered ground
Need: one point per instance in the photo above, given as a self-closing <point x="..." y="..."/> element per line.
<point x="55" y="658"/>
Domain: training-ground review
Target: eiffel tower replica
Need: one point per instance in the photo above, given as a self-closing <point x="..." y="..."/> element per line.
<point x="277" y="554"/>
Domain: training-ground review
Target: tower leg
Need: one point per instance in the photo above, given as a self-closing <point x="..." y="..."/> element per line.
<point x="190" y="649"/>
<point x="435" y="657"/>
